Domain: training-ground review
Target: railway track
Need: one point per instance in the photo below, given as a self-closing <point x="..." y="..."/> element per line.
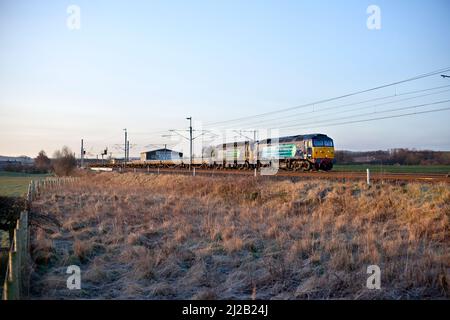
<point x="330" y="175"/>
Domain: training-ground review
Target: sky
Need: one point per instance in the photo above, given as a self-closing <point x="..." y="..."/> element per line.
<point x="147" y="65"/>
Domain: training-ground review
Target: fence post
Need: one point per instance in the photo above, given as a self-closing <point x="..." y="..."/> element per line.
<point x="24" y="218"/>
<point x="18" y="249"/>
<point x="29" y="195"/>
<point x="15" y="280"/>
<point x="11" y="288"/>
<point x="368" y="177"/>
<point x="33" y="190"/>
<point x="193" y="172"/>
<point x="22" y="251"/>
<point x="14" y="262"/>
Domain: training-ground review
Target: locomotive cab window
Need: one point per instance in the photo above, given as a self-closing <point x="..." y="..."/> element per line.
<point x="328" y="143"/>
<point x="318" y="143"/>
<point x="322" y="143"/>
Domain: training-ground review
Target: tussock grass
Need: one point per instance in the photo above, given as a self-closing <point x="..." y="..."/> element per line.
<point x="177" y="237"/>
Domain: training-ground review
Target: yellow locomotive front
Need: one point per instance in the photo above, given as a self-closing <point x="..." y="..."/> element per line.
<point x="321" y="151"/>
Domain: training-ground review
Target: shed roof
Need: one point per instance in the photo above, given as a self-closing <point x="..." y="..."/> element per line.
<point x="163" y="149"/>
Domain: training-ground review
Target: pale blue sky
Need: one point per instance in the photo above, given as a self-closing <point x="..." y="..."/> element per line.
<point x="146" y="65"/>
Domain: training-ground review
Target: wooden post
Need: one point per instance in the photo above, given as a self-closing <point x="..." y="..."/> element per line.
<point x="13" y="267"/>
<point x="29" y="197"/>
<point x="368" y="177"/>
<point x="18" y="244"/>
<point x="24" y="239"/>
<point x="16" y="280"/>
<point x="11" y="287"/>
<point x="25" y="230"/>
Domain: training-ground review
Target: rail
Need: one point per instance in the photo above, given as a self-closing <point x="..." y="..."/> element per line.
<point x="298" y="175"/>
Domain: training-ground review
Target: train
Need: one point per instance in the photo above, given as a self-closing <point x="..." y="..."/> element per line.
<point x="294" y="153"/>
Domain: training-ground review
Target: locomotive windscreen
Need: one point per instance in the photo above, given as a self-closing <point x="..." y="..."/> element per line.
<point x="322" y="142"/>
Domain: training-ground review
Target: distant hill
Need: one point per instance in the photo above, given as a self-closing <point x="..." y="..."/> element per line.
<point x="394" y="156"/>
<point x="21" y="159"/>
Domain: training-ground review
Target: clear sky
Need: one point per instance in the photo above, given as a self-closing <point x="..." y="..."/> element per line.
<point x="147" y="65"/>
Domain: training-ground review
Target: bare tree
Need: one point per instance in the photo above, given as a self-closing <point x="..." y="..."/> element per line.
<point x="64" y="162"/>
<point x="42" y="162"/>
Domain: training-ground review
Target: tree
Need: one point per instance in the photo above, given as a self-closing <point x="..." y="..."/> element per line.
<point x="42" y="162"/>
<point x="64" y="162"/>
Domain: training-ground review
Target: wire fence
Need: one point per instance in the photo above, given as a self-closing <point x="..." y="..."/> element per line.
<point x="17" y="278"/>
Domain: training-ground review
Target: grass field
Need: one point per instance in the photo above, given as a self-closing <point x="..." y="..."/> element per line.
<point x="392" y="168"/>
<point x="138" y="236"/>
<point x="15" y="184"/>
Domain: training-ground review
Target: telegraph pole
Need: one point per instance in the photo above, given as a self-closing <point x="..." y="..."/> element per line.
<point x="125" y="146"/>
<point x="82" y="155"/>
<point x="190" y="140"/>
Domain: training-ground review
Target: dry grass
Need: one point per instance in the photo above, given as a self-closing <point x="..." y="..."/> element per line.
<point x="166" y="237"/>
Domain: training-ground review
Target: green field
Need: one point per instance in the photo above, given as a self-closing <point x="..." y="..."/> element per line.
<point x="15" y="183"/>
<point x="392" y="168"/>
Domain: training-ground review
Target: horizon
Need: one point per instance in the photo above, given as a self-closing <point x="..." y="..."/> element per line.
<point x="50" y="155"/>
<point x="147" y="66"/>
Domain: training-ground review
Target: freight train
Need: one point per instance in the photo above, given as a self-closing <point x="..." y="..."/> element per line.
<point x="294" y="153"/>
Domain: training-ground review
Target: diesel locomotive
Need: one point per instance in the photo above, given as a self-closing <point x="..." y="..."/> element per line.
<point x="299" y="152"/>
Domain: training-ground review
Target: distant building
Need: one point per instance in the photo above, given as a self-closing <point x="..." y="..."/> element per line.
<point x="161" y="154"/>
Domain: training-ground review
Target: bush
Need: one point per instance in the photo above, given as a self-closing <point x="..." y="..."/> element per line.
<point x="64" y="162"/>
<point x="42" y="163"/>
